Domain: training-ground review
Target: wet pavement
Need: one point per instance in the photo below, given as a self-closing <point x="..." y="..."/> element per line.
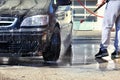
<point x="86" y="45"/>
<point x="85" y="49"/>
<point x="80" y="54"/>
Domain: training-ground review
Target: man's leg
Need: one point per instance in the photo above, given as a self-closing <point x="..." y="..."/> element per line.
<point x="112" y="15"/>
<point x="116" y="53"/>
<point x="105" y="40"/>
<point x="108" y="23"/>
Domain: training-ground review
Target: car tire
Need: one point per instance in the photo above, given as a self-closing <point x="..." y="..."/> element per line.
<point x="52" y="51"/>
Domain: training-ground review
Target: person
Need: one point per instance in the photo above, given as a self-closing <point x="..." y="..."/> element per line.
<point x="111" y="17"/>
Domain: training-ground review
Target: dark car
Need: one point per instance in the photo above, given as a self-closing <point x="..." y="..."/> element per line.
<point x="34" y="27"/>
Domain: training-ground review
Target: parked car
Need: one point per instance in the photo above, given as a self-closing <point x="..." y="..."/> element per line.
<point x="34" y="28"/>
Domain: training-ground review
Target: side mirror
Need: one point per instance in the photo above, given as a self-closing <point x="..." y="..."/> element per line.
<point x="63" y="2"/>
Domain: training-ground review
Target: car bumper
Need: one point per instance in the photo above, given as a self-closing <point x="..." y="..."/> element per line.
<point x="21" y="41"/>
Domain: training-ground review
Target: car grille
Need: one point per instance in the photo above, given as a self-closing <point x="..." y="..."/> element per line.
<point x="19" y="44"/>
<point x="7" y="22"/>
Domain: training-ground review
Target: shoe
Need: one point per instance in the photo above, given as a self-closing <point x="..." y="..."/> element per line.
<point x="102" y="53"/>
<point x="115" y="55"/>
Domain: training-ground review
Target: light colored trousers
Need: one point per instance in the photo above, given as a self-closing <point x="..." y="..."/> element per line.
<point x="111" y="17"/>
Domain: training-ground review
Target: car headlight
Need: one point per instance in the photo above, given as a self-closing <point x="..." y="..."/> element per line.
<point x="37" y="20"/>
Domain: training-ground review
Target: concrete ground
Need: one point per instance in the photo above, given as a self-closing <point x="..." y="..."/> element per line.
<point x="81" y="72"/>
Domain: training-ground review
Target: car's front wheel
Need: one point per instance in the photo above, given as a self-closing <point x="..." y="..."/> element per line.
<point x="52" y="51"/>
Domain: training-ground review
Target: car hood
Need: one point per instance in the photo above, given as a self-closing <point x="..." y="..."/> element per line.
<point x="24" y="7"/>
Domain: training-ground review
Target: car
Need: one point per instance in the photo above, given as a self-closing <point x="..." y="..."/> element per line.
<point x="34" y="28"/>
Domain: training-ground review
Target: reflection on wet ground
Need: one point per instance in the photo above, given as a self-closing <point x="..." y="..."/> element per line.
<point x="107" y="63"/>
<point x="84" y="51"/>
<point x="80" y="54"/>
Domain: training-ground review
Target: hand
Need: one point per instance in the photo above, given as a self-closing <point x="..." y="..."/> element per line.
<point x="100" y="2"/>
